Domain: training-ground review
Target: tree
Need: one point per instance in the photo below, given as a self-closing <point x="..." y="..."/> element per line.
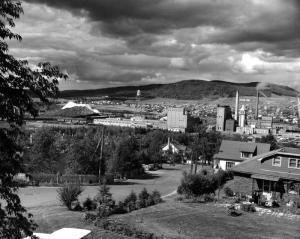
<point x="18" y="83"/>
<point x="270" y="139"/>
<point x="125" y="160"/>
<point x="45" y="153"/>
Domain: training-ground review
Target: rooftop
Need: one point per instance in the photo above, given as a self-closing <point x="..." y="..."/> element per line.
<point x="232" y="149"/>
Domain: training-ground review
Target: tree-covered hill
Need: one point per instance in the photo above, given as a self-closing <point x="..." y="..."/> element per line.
<point x="189" y="89"/>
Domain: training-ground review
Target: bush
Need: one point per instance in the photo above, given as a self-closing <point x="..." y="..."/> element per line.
<point x="130" y="202"/>
<point x="69" y="194"/>
<point x="89" y="204"/>
<point x="76" y="206"/>
<point x="90" y="217"/>
<point x="248" y="207"/>
<point x="156" y="197"/>
<point x="124" y="229"/>
<point x="106" y="205"/>
<point x="193" y="185"/>
<point x="144" y="198"/>
<point x="228" y="192"/>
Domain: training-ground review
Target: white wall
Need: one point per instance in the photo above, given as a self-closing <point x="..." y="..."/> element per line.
<point x="222" y="164"/>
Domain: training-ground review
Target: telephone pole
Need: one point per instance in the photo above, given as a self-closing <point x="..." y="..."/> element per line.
<point x="101" y="172"/>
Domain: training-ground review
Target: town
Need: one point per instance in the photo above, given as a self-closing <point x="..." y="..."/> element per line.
<point x="149" y="119"/>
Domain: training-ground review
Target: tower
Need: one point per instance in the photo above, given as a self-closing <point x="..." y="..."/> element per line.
<point x="223" y="114"/>
<point x="236" y="114"/>
<point x="242" y="118"/>
<point x="257" y="103"/>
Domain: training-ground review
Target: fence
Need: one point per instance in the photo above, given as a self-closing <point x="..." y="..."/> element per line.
<point x="55" y="179"/>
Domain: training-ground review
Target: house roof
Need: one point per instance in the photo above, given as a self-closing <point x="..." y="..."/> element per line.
<point x="231" y="150"/>
<point x="175" y="145"/>
<point x="253" y="165"/>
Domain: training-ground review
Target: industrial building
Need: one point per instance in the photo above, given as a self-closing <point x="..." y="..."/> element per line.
<point x="223" y="114"/>
<point x="243" y="124"/>
<point x="179" y="120"/>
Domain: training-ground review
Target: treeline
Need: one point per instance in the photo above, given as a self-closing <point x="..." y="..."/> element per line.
<point x="76" y="150"/>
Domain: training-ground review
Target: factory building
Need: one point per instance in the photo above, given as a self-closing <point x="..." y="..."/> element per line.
<point x="223" y="114"/>
<point x="179" y="120"/>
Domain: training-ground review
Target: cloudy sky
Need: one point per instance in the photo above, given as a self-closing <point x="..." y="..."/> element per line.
<point x="104" y="43"/>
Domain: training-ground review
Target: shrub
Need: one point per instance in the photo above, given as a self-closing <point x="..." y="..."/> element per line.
<point x="68" y="194"/>
<point x="124" y="229"/>
<point x="106" y="204"/>
<point x="104" y="210"/>
<point x="193" y="185"/>
<point x="89" y="204"/>
<point x="130" y="202"/>
<point x="76" y="206"/>
<point x="248" y="207"/>
<point x="144" y="198"/>
<point x="156" y="197"/>
<point x="228" y="192"/>
<point x="103" y="195"/>
<point x="90" y="217"/>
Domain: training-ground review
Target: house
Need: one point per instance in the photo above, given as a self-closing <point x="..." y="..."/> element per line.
<point x="277" y="171"/>
<point x="176" y="149"/>
<point x="232" y="153"/>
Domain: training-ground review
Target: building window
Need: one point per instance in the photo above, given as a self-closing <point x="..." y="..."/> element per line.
<point x="294" y="163"/>
<point x="246" y="155"/>
<point x="276" y="161"/>
<point x="229" y="165"/>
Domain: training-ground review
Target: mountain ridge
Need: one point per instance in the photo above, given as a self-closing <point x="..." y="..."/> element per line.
<point x="188" y="89"/>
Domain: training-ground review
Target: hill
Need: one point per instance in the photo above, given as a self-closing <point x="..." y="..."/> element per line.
<point x="187" y="90"/>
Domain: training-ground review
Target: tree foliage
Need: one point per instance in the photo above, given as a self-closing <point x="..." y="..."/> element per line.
<point x="18" y="83"/>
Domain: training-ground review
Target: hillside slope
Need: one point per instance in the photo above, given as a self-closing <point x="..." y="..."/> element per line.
<point x="189" y="89"/>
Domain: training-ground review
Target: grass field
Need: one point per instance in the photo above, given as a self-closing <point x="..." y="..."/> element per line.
<point x="191" y="220"/>
<point x="50" y="215"/>
<point x="171" y="219"/>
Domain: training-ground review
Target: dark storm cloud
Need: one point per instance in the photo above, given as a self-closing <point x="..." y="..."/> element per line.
<point x="139" y="21"/>
<point x="131" y="17"/>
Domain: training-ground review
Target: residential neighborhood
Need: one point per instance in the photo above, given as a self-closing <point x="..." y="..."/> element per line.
<point x="142" y="119"/>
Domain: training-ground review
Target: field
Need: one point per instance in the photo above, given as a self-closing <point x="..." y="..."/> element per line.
<point x="172" y="219"/>
<point x="48" y="212"/>
<point x="190" y="220"/>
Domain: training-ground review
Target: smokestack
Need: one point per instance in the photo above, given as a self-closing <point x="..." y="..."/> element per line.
<point x="236" y="114"/>
<point x="298" y="98"/>
<point x="257" y="103"/>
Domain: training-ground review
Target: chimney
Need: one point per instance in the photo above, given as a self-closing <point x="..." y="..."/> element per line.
<point x="236" y="114"/>
<point x="257" y="103"/>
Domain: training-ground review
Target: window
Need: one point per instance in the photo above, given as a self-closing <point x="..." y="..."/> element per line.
<point x="229" y="165"/>
<point x="276" y="161"/>
<point x="294" y="163"/>
<point x="246" y="155"/>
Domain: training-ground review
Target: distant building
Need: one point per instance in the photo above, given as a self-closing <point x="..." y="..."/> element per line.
<point x="230" y="125"/>
<point x="242" y="117"/>
<point x="232" y="153"/>
<point x="223" y="114"/>
<point x="179" y="120"/>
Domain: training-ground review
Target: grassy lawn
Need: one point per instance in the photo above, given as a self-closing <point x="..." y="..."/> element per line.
<point x="50" y="215"/>
<point x="189" y="220"/>
<point x="171" y="219"/>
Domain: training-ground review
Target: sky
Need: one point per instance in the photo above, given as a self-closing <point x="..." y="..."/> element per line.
<point x="107" y="43"/>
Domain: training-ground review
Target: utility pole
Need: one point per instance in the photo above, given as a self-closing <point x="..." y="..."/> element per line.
<point x="101" y="166"/>
<point x="196" y="164"/>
